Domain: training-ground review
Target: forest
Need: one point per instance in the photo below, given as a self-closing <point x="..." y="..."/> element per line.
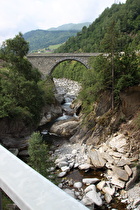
<point x="126" y="22"/>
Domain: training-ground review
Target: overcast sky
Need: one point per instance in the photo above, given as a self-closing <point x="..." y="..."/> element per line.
<point x="26" y="15"/>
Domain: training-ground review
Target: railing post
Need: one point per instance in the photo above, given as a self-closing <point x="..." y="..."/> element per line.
<point x="0" y="199"/>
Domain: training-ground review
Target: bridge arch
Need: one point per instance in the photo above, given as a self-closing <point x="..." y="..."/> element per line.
<point x="63" y="60"/>
<point x="47" y="62"/>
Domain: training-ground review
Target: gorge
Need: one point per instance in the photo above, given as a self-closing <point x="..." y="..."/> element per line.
<point x="105" y="169"/>
<point x="108" y="168"/>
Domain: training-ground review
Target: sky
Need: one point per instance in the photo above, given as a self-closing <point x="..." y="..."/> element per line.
<point x="26" y="15"/>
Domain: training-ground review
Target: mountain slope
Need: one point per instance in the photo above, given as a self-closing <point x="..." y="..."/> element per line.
<point x="70" y="26"/>
<point x="126" y="19"/>
<point x="39" y="39"/>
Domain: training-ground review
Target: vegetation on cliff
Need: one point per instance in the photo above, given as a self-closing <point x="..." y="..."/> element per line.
<point x="23" y="93"/>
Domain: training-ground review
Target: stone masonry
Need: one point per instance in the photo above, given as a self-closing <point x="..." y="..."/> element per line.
<point x="47" y="62"/>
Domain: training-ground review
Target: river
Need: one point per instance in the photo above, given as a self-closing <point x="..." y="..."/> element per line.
<point x="61" y="144"/>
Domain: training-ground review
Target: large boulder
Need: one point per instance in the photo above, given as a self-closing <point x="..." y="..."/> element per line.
<point x="65" y="127"/>
<point x="91" y="196"/>
<point x="96" y="159"/>
<point x="118" y="143"/>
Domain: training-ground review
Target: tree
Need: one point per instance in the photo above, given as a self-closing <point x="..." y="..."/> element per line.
<point x="13" y="52"/>
<point x="127" y="70"/>
<point x="39" y="158"/>
<point x="110" y="46"/>
<point x="13" y="49"/>
<point x="22" y="94"/>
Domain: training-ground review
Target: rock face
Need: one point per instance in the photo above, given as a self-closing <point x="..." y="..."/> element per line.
<point x="104" y="121"/>
<point x="10" y="127"/>
<point x="130" y="101"/>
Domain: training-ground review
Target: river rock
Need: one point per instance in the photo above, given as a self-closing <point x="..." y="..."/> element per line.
<point x="62" y="159"/>
<point x="67" y="87"/>
<point x="117" y="182"/>
<point x="74" y="151"/>
<point x="103" y="148"/>
<point x="92" y="197"/>
<point x="118" y="143"/>
<point x="109" y="190"/>
<point x="96" y="159"/>
<point x="77" y="185"/>
<point x="89" y="181"/>
<point x="65" y="168"/>
<point x="65" y="127"/>
<point x="107" y="157"/>
<point x="128" y="170"/>
<point x="100" y="185"/>
<point x="85" y="166"/>
<point x="62" y="174"/>
<point x="62" y="164"/>
<point x="123" y="161"/>
<point x="115" y="154"/>
<point x="108" y="197"/>
<point x="89" y="188"/>
<point x="120" y="173"/>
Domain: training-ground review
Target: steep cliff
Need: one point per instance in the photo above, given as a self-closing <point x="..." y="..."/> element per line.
<point x="103" y="122"/>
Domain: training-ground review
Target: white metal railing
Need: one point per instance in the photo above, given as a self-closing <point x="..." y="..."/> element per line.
<point x="28" y="189"/>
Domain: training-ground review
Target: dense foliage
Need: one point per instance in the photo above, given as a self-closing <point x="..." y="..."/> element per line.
<point x="99" y="78"/>
<point x="22" y="92"/>
<point x="126" y="18"/>
<point x="69" y="69"/>
<point x="39" y="158"/>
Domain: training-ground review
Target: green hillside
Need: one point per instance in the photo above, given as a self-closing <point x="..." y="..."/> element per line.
<point x="125" y="22"/>
<point x="40" y="39"/>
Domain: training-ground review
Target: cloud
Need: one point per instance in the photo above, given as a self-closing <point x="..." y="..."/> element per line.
<point x="22" y="16"/>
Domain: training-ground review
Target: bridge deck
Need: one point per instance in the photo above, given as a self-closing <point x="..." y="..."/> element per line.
<point x="30" y="190"/>
<point x="63" y="54"/>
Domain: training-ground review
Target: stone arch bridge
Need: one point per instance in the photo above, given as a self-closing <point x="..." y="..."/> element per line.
<point x="47" y="62"/>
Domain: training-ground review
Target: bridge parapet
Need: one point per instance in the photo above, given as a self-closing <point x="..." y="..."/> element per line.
<point x="28" y="189"/>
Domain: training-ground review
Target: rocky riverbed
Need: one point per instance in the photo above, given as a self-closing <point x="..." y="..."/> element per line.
<point x="113" y="160"/>
<point x="104" y="176"/>
<point x="117" y="178"/>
